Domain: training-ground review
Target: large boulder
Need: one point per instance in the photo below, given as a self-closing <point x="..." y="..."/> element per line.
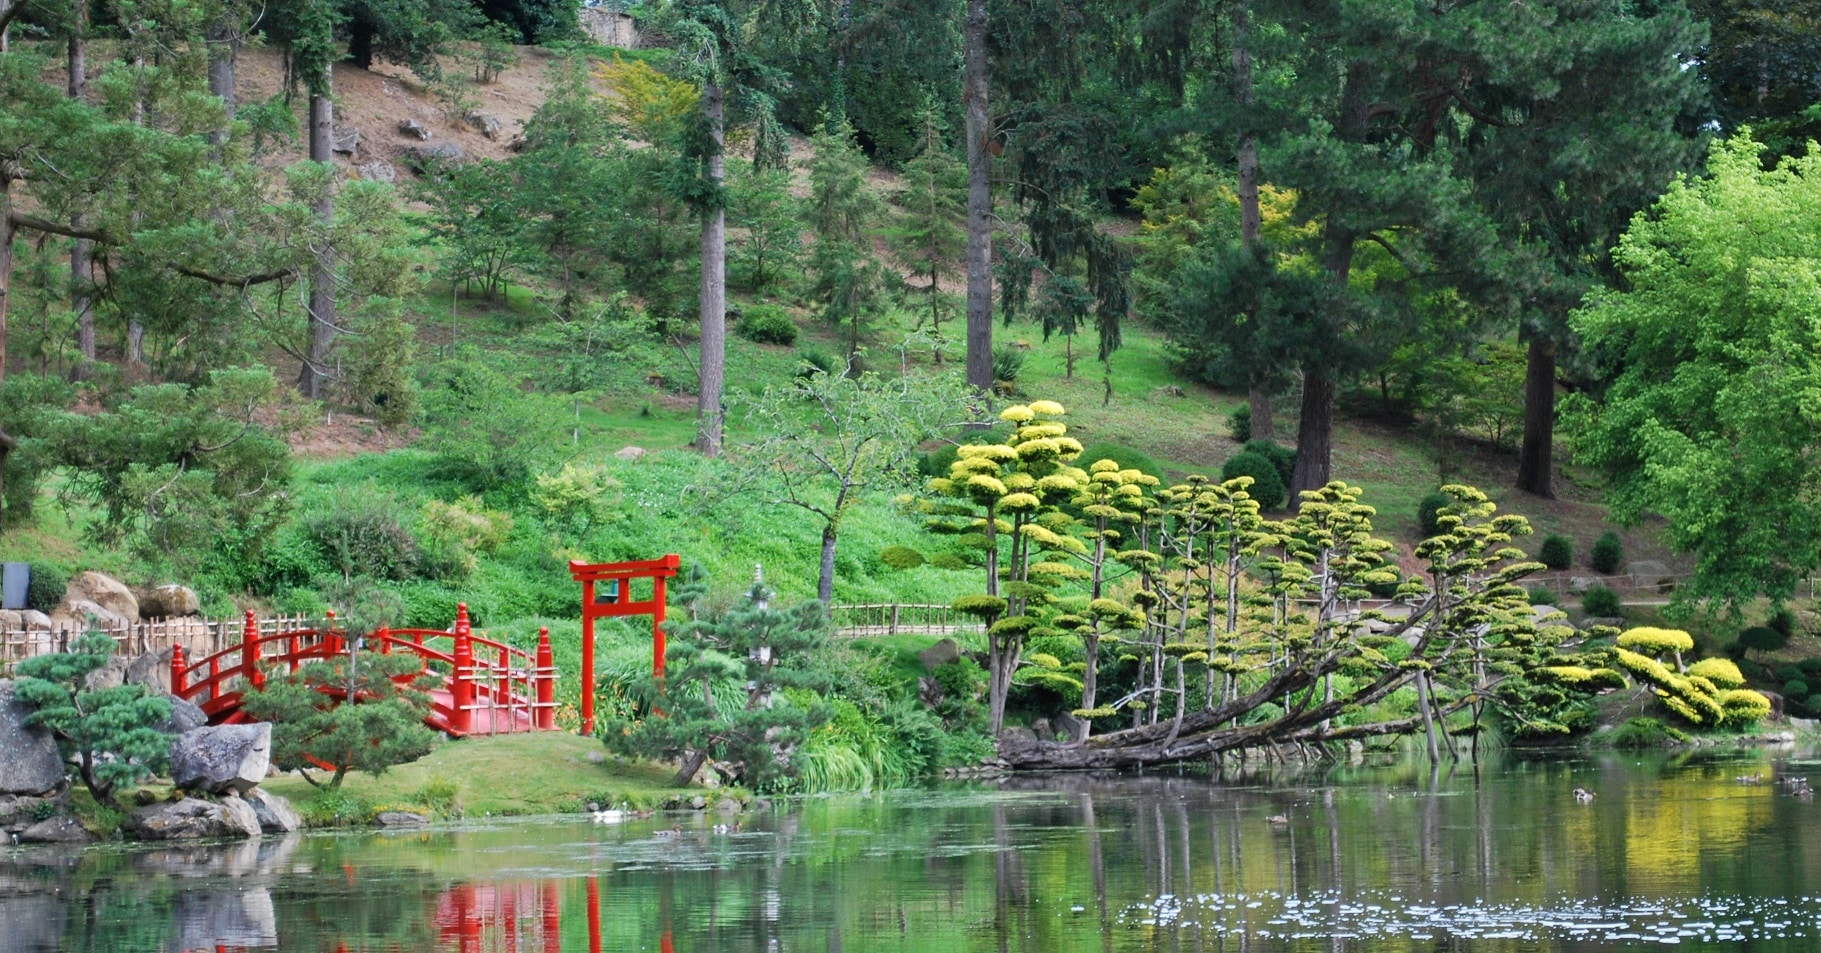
<point x="275" y="814"/>
<point x="152" y="671"/>
<point x="485" y="123"/>
<point x="222" y="758"/>
<point x="29" y="762"/>
<point x="62" y="829"/>
<point x="344" y="139"/>
<point x="397" y="819"/>
<point x="942" y="653"/>
<point x="414" y="129"/>
<point x="419" y="158"/>
<point x="185" y="717"/>
<point x="80" y="615"/>
<point x="105" y="591"/>
<point x="164" y="602"/>
<point x="191" y="818"/>
<point x="20" y="811"/>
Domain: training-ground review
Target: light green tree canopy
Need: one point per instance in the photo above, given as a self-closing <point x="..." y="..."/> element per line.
<point x="1714" y="361"/>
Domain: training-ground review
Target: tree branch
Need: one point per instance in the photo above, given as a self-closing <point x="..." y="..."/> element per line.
<point x="7" y="15"/>
<point x="101" y="237"/>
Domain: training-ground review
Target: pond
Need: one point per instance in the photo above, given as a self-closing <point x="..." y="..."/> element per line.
<point x="1673" y="850"/>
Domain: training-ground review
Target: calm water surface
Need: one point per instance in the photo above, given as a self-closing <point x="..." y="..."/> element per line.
<point x="1388" y="858"/>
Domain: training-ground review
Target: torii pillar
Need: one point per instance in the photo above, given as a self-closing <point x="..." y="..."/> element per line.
<point x="614" y="600"/>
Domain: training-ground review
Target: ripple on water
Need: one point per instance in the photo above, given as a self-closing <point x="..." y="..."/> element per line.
<point x="1317" y="915"/>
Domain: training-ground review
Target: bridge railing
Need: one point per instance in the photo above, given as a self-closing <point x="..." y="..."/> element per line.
<point x="487" y="685"/>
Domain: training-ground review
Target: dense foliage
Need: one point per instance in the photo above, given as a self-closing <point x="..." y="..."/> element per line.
<point x="110" y="736"/>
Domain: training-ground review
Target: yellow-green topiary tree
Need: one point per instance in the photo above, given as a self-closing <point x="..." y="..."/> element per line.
<point x="1706" y="695"/>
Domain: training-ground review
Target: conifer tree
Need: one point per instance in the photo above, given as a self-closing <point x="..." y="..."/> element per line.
<point x="108" y="734"/>
<point x="842" y="211"/>
<point x="930" y="237"/>
<point x="738" y="687"/>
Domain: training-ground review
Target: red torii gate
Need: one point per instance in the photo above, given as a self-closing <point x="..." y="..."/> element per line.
<point x="618" y="602"/>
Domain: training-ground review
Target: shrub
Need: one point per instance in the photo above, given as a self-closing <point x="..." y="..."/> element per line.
<point x="1267" y="486"/>
<point x="1126" y="457"/>
<point x="1795" y="689"/>
<point x="1608" y="552"/>
<point x="44" y="590"/>
<point x="1557" y="552"/>
<point x="812" y="360"/>
<point x="1762" y="638"/>
<point x="1008" y="363"/>
<point x="901" y="557"/>
<point x="1787" y="673"/>
<point x="1641" y="733"/>
<point x="1281" y="457"/>
<point x="1810" y="666"/>
<point x="1239" y="424"/>
<point x="948" y="561"/>
<point x="360" y="534"/>
<point x="1544" y="596"/>
<point x="766" y="324"/>
<point x="1783" y="621"/>
<point x="1600" y="602"/>
<point x="1429" y="511"/>
<point x="1721" y="672"/>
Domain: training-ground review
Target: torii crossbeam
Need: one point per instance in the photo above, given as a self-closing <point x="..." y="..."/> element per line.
<point x="617" y="598"/>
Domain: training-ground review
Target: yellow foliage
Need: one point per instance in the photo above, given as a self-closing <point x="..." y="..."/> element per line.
<point x="1720" y="671"/>
<point x="652" y="106"/>
<point x="1657" y="641"/>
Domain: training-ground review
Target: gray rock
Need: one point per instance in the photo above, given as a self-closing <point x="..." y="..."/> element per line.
<point x="105" y="591"/>
<point x="344" y="139"/>
<point x="400" y="819"/>
<point x="942" y="653"/>
<point x="485" y="123"/>
<point x="419" y="158"/>
<point x="82" y="614"/>
<point x="379" y="170"/>
<point x="698" y="802"/>
<point x="56" y="830"/>
<point x="275" y="814"/>
<point x="29" y="762"/>
<point x="1041" y="728"/>
<point x="151" y="670"/>
<point x="236" y="918"/>
<point x="629" y="453"/>
<point x="193" y="818"/>
<point x="517" y="143"/>
<point x="1068" y="727"/>
<point x="727" y="805"/>
<point x="414" y="129"/>
<point x="31" y="620"/>
<point x="1581" y="584"/>
<point x="185" y="717"/>
<point x="1017" y="737"/>
<point x="164" y="602"/>
<point x="20" y="811"/>
<point x="112" y="674"/>
<point x="222" y="758"/>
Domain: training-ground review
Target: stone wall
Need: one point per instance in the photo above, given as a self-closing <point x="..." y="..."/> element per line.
<point x="609" y="28"/>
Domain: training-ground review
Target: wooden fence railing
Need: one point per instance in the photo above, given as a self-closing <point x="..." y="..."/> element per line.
<point x="862" y="621"/>
<point x="198" y="636"/>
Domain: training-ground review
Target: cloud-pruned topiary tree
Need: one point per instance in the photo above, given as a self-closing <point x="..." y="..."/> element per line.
<point x="107" y="735"/>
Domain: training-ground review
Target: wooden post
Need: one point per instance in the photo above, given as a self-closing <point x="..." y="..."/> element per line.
<point x="657" y="625"/>
<point x="587" y="657"/>
<point x="545" y="718"/>
<point x="461" y="688"/>
<point x="894" y="627"/>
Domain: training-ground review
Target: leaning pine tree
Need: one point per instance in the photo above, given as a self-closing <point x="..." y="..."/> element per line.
<point x="722" y="693"/>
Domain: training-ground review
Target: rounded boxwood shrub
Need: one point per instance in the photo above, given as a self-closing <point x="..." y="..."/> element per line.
<point x="1267" y="486"/>
<point x="1281" y="457"/>
<point x="44" y="590"/>
<point x="1762" y="638"/>
<point x="1429" y="511"/>
<point x="1544" y="596"/>
<point x="900" y="557"/>
<point x="1126" y="457"/>
<point x="1600" y="602"/>
<point x="813" y="360"/>
<point x="1783" y="621"/>
<point x="1795" y="689"/>
<point x="1810" y="666"/>
<point x="1239" y="424"/>
<point x="767" y="324"/>
<point x="1608" y="552"/>
<point x="948" y="561"/>
<point x="1557" y="552"/>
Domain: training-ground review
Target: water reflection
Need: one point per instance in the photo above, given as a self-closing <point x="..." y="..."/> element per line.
<point x="1369" y="857"/>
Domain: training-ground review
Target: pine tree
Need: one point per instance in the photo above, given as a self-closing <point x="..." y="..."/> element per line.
<point x="930" y="237"/>
<point x="723" y="694"/>
<point x="842" y="211"/>
<point x="107" y="733"/>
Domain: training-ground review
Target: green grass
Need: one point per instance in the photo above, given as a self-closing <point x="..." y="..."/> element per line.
<point x="539" y="773"/>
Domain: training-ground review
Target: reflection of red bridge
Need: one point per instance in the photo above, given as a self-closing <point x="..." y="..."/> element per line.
<point x="484" y="687"/>
<point x="508" y="918"/>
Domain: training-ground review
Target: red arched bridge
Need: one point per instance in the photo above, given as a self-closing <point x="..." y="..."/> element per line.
<point x="484" y="687"/>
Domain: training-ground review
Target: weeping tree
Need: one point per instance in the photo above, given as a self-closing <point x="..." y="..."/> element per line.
<point x="737" y="687"/>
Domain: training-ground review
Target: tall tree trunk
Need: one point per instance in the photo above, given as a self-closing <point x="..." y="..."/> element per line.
<point x="825" y="582"/>
<point x="1264" y="425"/>
<point x="82" y="252"/>
<point x="7" y="230"/>
<point x="223" y="35"/>
<point x="979" y="202"/>
<point x="1315" y="428"/>
<point x="1536" y="463"/>
<point x="322" y="271"/>
<point x="709" y="415"/>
